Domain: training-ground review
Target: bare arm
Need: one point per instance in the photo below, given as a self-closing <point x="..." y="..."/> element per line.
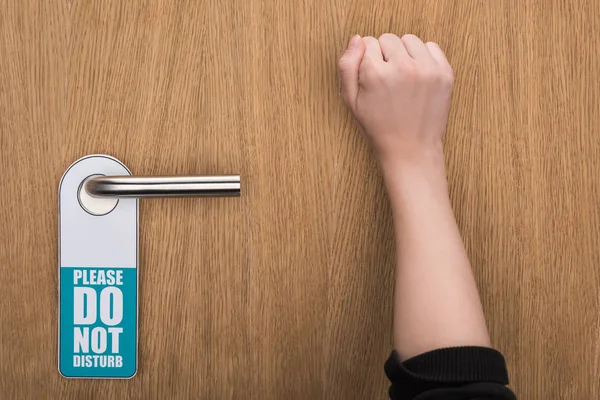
<point x="399" y="90"/>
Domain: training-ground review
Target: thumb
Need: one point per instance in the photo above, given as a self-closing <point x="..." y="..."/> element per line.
<point x="349" y="65"/>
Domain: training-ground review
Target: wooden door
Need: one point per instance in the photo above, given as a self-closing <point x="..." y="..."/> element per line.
<point x="286" y="291"/>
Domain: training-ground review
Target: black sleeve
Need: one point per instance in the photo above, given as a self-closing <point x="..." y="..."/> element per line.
<point x="455" y="373"/>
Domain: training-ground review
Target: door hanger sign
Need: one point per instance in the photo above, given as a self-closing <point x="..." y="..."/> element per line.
<point x="97" y="275"/>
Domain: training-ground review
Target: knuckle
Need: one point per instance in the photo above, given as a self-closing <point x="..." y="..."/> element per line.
<point x="368" y="65"/>
<point x="436" y="76"/>
<point x="447" y="75"/>
<point x="371" y="72"/>
<point x="387" y="36"/>
<point x="425" y="73"/>
<point x="409" y="36"/>
<point x="444" y="81"/>
<point x="408" y="69"/>
<point x="430" y="75"/>
<point x="368" y="38"/>
<point x="450" y="77"/>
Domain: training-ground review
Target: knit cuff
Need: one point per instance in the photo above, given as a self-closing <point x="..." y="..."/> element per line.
<point x="453" y="365"/>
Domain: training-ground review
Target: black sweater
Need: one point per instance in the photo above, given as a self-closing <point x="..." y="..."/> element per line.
<point x="456" y="373"/>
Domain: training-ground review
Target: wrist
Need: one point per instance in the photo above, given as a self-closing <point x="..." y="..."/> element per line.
<point x="424" y="159"/>
<point x="409" y="151"/>
<point x="424" y="171"/>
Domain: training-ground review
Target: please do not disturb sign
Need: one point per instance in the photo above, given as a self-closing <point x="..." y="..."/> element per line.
<point x="98" y="279"/>
<point x="98" y="321"/>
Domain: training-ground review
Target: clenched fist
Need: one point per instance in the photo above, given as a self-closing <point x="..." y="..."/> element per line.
<point x="399" y="90"/>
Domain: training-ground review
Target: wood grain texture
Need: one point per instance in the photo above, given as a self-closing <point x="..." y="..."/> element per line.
<point x="538" y="257"/>
<point x="286" y="292"/>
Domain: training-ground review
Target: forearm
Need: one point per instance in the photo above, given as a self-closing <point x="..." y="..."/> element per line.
<point x="399" y="91"/>
<point x="436" y="301"/>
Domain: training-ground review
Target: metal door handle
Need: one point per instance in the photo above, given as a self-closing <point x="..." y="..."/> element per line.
<point x="164" y="186"/>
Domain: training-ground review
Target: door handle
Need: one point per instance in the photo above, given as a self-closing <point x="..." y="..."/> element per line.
<point x="163" y="186"/>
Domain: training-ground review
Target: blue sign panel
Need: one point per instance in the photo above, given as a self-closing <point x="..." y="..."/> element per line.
<point x="98" y="322"/>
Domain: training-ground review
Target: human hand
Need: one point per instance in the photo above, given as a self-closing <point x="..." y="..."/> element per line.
<point x="399" y="90"/>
